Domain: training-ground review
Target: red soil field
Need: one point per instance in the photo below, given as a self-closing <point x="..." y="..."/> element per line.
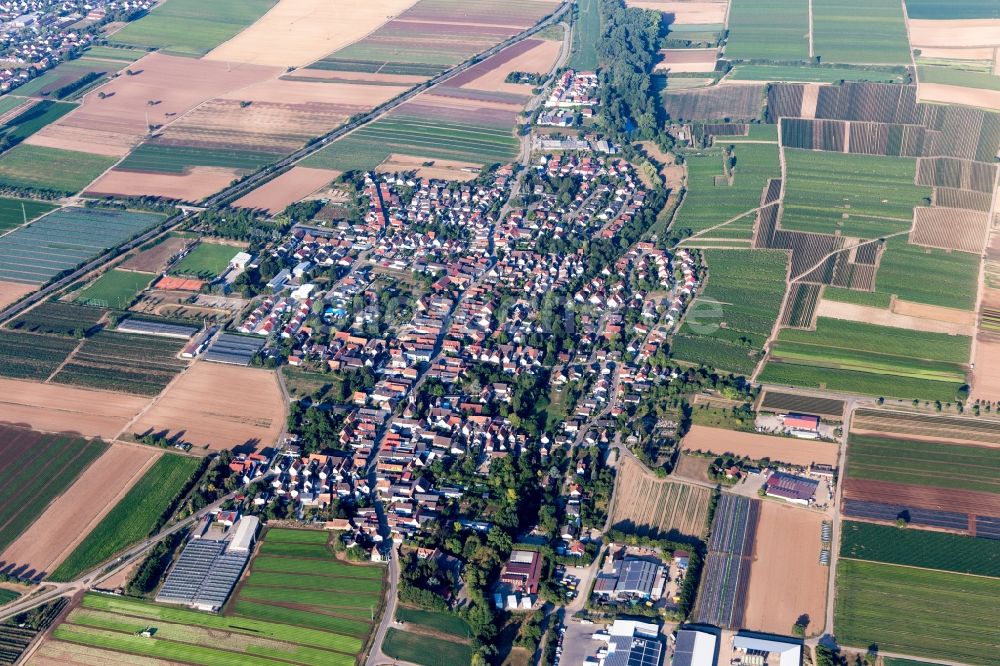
<point x="170" y="282"/>
<point x="944" y="499"/>
<point x="291" y="186"/>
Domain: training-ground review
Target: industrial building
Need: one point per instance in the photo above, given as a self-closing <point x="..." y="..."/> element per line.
<point x="770" y="650"/>
<point x="631" y="578"/>
<point x="694" y="648"/>
<point x="522" y="571"/>
<point x="632" y="643"/>
<point x="796" y="489"/>
<point x="210" y="565"/>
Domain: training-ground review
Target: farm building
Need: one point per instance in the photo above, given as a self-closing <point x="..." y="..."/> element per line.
<point x="522" y="571"/>
<point x="806" y="422"/>
<point x="788" y="651"/>
<point x="797" y="489"/>
<point x="144" y="327"/>
<point x="694" y="648"/>
<point x="631" y="642"/>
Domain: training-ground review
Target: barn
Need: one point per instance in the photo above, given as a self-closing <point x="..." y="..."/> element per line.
<point x="796" y="489"/>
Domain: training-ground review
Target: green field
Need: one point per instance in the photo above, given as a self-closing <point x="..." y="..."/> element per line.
<point x="10" y="102"/>
<point x="115" y="289"/>
<point x="755" y="132"/>
<point x="871" y="298"/>
<point x="864" y="32"/>
<point x="586" y="35"/>
<point x="297" y="536"/>
<point x="14" y="211"/>
<point x="133" y="518"/>
<point x="919" y="548"/>
<point x="328" y="567"/>
<point x="953" y="9"/>
<point x="710" y="199"/>
<point x="366" y="147"/>
<point x="207" y="260"/>
<point x="803" y="73"/>
<point x="768" y="30"/>
<point x="66" y="171"/>
<point x="904" y="269"/>
<point x="848" y="381"/>
<point x="25" y="356"/>
<point x="876" y="193"/>
<point x="159" y="158"/>
<point x="65" y="73"/>
<point x="743" y="291"/>
<point x="23" y="125"/>
<point x="112" y="361"/>
<point x="424" y="650"/>
<point x="445" y="623"/>
<point x="924" y="613"/>
<point x="123" y="55"/>
<point x="6" y="596"/>
<point x="935" y="464"/>
<point x="954" y="76"/>
<point x="191" y="27"/>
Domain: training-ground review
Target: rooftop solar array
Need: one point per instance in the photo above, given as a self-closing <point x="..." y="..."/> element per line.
<point x="235" y="349"/>
<point x="634" y="651"/>
<point x="636" y="577"/>
<point x="204" y="574"/>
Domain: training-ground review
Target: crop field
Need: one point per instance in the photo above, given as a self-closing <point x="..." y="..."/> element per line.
<point x="920" y="548"/>
<point x="729" y="321"/>
<point x="924" y="613"/>
<point x="802" y="301"/>
<point x="65" y="73"/>
<point x="207" y="261"/>
<point x="722" y="598"/>
<point x="710" y="199"/>
<point x="37" y="468"/>
<point x="849" y="381"/>
<point x="424" y="650"/>
<point x="586" y="35"/>
<point x="420" y="136"/>
<point x="777" y="401"/>
<point x="955" y="76"/>
<point x="863" y="196"/>
<point x="14" y="640"/>
<point x="15" y="212"/>
<point x="903" y="268"/>
<point x="768" y="30"/>
<point x="66" y="172"/>
<point x="957" y="9"/>
<point x="26" y="356"/>
<point x="880" y="39"/>
<point x="191" y="27"/>
<point x="163" y="158"/>
<point x="732" y="102"/>
<point x="954" y="428"/>
<point x="133" y="518"/>
<point x="58" y="318"/>
<point x="656" y="508"/>
<point x="66" y="238"/>
<point x="25" y="124"/>
<point x="806" y="74"/>
<point x="115" y="289"/>
<point x="137" y="364"/>
<point x="446" y="623"/>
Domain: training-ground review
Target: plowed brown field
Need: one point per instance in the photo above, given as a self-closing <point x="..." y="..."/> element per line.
<point x="60" y="408"/>
<point x="12" y="291"/>
<point x="291" y="186"/>
<point x="780" y="449"/>
<point x="193" y="186"/>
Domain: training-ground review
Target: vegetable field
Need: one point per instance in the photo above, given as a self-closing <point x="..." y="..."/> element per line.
<point x="160" y="158"/>
<point x="924" y="613"/>
<point x="139" y="364"/>
<point x="26" y="356"/>
<point x="151" y="500"/>
<point x="59" y="319"/>
<point x="919" y="548"/>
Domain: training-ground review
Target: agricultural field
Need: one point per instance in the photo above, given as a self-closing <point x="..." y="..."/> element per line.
<point x="33" y="357"/>
<point x="67" y="171"/>
<point x="880" y="39"/>
<point x="140" y="512"/>
<point x="775" y="401"/>
<point x="137" y="364"/>
<point x="730" y="320"/>
<point x="920" y="548"/>
<point x="28" y="122"/>
<point x="933" y="614"/>
<point x="768" y="30"/>
<point x="904" y="267"/>
<point x="757" y="446"/>
<point x="734" y="102"/>
<point x="155" y="258"/>
<point x="190" y="27"/>
<point x="656" y="508"/>
<point x="586" y="35"/>
<point x="114" y="289"/>
<point x="153" y="157"/>
<point x="37" y="468"/>
<point x="722" y="598"/>
<point x="59" y="319"/>
<point x="960" y="429"/>
<point x="293" y="185"/>
<point x="206" y="261"/>
<point x="954" y="10"/>
<point x="16" y="636"/>
<point x="66" y="238"/>
<point x="442" y="622"/>
<point x="65" y="73"/>
<point x="807" y="74"/>
<point x="15" y="212"/>
<point x="423" y="649"/>
<point x="958" y="76"/>
<point x="862" y="196"/>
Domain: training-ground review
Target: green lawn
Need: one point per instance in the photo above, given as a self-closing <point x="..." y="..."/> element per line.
<point x="768" y="30"/>
<point x="133" y="518"/>
<point x="65" y="171"/>
<point x="923" y="613"/>
<point x="191" y="27"/>
<point x="115" y="289"/>
<point x="586" y="35"/>
<point x="14" y="211"/>
<point x="207" y="260"/>
<point x="424" y="650"/>
<point x="920" y="548"/>
<point x="446" y="623"/>
<point x="865" y="32"/>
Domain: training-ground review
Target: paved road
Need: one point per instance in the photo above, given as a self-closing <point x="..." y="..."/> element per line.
<point x="376" y="656"/>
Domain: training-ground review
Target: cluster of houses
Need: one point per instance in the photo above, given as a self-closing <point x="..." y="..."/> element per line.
<point x="572" y="100"/>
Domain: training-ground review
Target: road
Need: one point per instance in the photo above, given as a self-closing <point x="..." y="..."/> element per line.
<point x="376" y="656"/>
<point x="270" y="172"/>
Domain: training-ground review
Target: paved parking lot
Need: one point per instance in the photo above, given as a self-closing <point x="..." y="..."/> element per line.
<point x="578" y="644"/>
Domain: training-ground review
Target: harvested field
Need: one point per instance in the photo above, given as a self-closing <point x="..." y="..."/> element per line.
<point x="156" y="258"/>
<point x="787" y="580"/>
<point x="793" y="402"/>
<point x="980" y="431"/>
<point x="880" y="316"/>
<point x="163" y="89"/>
<point x="58" y="408"/>
<point x="78" y="510"/>
<point x="940" y="92"/>
<point x="688" y="60"/>
<point x="296" y="32"/>
<point x="789" y="450"/>
<point x="651" y="507"/>
<point x="219" y="406"/>
<point x="13" y="291"/>
<point x="936" y="312"/>
<point x="192" y="186"/>
<point x="443" y="169"/>
<point x="529" y="55"/>
<point x="291" y="186"/>
<point x="80" y="139"/>
<point x="949" y="33"/>
<point x="735" y="102"/>
<point x="985" y="379"/>
<point x="686" y="13"/>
